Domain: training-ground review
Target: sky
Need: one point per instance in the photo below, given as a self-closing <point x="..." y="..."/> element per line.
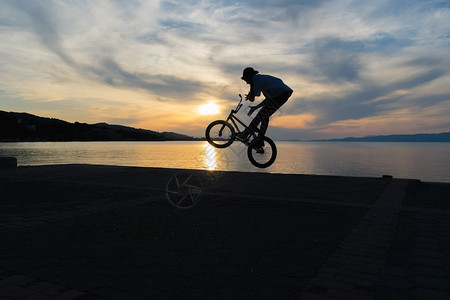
<point x="357" y="68"/>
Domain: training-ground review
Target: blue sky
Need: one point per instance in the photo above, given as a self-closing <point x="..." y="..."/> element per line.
<point x="357" y="67"/>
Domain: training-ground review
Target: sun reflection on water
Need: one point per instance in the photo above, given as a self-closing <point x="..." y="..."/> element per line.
<point x="209" y="157"/>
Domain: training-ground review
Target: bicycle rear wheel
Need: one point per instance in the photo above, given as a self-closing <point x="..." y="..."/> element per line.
<point x="262" y="156"/>
<point x="220" y="134"/>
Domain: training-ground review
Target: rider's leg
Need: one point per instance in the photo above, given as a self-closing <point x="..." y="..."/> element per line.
<point x="252" y="127"/>
<point x="265" y="115"/>
<point x="262" y="117"/>
<point x="269" y="108"/>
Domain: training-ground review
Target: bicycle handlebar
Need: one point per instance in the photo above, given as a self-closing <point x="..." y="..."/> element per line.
<point x="239" y="104"/>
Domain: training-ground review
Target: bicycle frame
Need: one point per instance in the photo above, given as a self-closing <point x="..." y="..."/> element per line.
<point x="231" y="117"/>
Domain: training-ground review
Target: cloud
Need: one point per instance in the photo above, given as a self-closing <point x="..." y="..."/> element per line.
<point x="109" y="72"/>
<point x="386" y="43"/>
<point x="337" y="59"/>
<point x="103" y="69"/>
<point x="41" y="23"/>
<point x="372" y="99"/>
<point x="346" y="60"/>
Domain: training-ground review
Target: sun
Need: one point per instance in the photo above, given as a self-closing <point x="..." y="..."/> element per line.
<point x="208" y="109"/>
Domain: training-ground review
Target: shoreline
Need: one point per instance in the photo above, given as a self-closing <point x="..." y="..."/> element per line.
<point x="256" y="170"/>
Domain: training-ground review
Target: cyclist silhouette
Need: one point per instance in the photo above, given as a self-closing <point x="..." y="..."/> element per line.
<point x="276" y="93"/>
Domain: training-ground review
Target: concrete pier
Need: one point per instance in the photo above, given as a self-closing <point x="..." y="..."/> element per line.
<point x="106" y="232"/>
<point x="8" y="162"/>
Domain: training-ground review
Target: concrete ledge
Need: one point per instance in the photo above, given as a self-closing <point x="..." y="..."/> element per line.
<point x="109" y="232"/>
<point x="8" y="162"/>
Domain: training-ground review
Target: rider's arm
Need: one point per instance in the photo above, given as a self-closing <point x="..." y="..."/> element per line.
<point x="250" y="97"/>
<point x="259" y="105"/>
<point x="255" y="88"/>
<point x="253" y="108"/>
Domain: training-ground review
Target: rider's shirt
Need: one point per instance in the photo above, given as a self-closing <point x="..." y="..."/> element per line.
<point x="270" y="86"/>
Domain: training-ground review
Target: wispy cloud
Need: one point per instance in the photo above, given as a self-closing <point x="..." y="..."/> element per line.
<point x="348" y="61"/>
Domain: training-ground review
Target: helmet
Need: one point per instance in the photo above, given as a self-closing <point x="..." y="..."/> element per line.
<point x="248" y="73"/>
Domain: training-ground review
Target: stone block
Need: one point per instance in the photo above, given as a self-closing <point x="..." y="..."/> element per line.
<point x="8" y="162"/>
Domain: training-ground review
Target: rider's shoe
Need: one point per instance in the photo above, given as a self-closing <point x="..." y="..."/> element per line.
<point x="242" y="136"/>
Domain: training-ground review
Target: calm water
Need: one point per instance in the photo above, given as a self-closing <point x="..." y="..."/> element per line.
<point x="425" y="161"/>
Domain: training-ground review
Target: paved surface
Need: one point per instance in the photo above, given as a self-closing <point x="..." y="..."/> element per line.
<point x="98" y="232"/>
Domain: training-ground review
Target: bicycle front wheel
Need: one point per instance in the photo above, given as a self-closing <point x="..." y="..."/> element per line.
<point x="262" y="155"/>
<point x="220" y="134"/>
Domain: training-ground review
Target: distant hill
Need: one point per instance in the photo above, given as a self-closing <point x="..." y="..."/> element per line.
<point x="27" y="127"/>
<point x="421" y="137"/>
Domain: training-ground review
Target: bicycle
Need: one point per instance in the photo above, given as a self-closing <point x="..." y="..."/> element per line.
<point x="222" y="133"/>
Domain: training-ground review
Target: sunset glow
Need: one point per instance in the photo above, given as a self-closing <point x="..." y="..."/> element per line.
<point x="208" y="109"/>
<point x="356" y="67"/>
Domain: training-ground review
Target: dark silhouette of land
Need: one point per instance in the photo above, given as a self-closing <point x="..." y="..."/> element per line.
<point x="24" y="127"/>
<point x="19" y="127"/>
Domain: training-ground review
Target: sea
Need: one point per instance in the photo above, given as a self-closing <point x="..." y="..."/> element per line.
<point x="423" y="161"/>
